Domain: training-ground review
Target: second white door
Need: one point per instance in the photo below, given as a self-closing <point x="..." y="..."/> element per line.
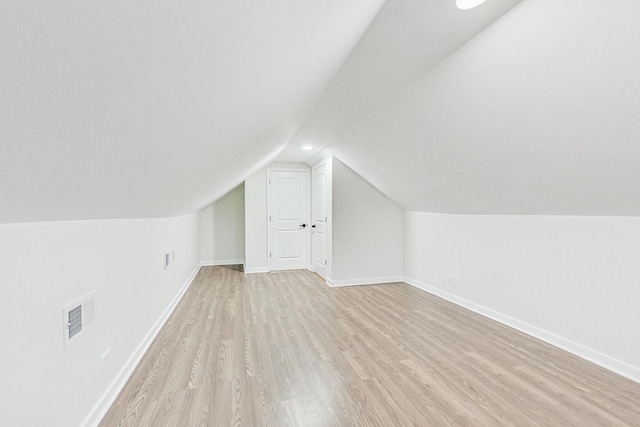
<point x="288" y="219"/>
<point x="320" y="214"/>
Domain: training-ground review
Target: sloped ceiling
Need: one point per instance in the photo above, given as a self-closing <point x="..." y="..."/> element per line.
<point x="538" y="114"/>
<point x="405" y="40"/>
<point x="126" y="109"/>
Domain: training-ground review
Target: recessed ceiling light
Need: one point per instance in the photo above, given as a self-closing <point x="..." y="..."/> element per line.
<point x="468" y="4"/>
<point x="307" y="147"/>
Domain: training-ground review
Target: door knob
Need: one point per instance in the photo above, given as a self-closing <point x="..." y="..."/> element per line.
<point x="303" y="225"/>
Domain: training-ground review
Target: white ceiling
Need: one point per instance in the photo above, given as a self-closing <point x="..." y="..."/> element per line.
<point x="404" y="41"/>
<point x="538" y="114"/>
<point x="127" y="109"/>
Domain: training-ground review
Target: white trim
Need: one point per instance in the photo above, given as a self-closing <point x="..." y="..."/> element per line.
<point x="256" y="270"/>
<point x="221" y="262"/>
<point x="109" y="396"/>
<point x="367" y="281"/>
<point x="593" y="356"/>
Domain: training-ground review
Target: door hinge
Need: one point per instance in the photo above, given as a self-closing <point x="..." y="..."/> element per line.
<point x="269" y="181"/>
<point x="269" y="254"/>
<point x="325" y="262"/>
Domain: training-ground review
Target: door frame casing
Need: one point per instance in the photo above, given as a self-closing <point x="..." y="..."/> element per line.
<point x="308" y="210"/>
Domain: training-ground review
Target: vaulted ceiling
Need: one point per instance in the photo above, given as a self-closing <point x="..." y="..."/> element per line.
<point x="124" y="109"/>
<point x="538" y="114"/>
<point x="127" y="109"/>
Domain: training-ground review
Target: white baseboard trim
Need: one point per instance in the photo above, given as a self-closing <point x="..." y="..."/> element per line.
<point x="593" y="356"/>
<point x="256" y="270"/>
<point x="222" y="262"/>
<point x="367" y="281"/>
<point x="109" y="396"/>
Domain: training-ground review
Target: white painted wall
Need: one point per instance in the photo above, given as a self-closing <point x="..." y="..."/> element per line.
<point x="222" y="230"/>
<point x="44" y="266"/>
<point x="570" y="280"/>
<point x="366" y="231"/>
<point x="207" y="233"/>
<point x="255" y="222"/>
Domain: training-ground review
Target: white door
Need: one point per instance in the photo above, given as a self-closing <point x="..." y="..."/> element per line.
<point x="320" y="212"/>
<point x="288" y="219"/>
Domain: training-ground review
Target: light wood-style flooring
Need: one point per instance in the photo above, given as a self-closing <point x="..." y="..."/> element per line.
<point x="285" y="349"/>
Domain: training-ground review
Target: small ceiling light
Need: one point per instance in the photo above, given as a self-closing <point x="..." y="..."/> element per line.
<point x="468" y="4"/>
<point x="307" y="147"/>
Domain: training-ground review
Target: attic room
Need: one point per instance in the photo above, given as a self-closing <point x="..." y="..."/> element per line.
<point x="371" y="213"/>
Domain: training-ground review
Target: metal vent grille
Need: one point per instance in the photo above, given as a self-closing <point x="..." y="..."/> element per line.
<point x="78" y="318"/>
<point x="75" y="321"/>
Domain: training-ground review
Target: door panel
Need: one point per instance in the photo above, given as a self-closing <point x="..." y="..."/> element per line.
<point x="288" y="211"/>
<point x="289" y="195"/>
<point x="288" y="244"/>
<point x="320" y="179"/>
<point x="320" y="217"/>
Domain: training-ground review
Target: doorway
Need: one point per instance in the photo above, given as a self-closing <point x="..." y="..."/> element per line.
<point x="288" y="201"/>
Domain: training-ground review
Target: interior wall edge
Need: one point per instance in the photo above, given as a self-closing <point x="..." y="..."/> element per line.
<point x="104" y="403"/>
<point x="584" y="352"/>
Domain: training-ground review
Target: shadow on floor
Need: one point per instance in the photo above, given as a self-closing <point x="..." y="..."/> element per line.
<point x="235" y="267"/>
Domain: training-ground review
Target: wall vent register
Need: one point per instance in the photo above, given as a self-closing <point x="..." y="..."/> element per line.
<point x="78" y="317"/>
<point x="74" y="322"/>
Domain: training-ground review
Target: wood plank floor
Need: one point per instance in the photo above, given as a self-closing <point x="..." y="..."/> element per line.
<point x="284" y="349"/>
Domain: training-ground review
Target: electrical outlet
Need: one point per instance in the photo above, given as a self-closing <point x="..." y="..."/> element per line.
<point x="451" y="279"/>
